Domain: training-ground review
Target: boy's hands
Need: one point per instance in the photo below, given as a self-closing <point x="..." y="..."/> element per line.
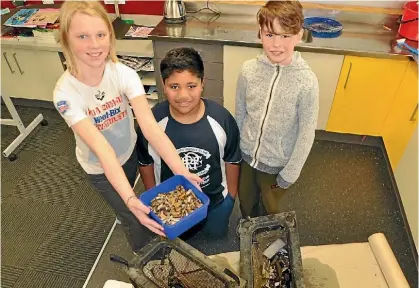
<point x="282" y="183"/>
<point x="141" y="212"/>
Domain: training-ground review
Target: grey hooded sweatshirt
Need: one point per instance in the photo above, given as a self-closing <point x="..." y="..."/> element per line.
<point x="276" y="111"/>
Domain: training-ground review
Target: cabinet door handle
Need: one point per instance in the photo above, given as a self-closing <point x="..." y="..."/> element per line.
<point x="347" y="76"/>
<point x="17" y="63"/>
<point x="8" y="64"/>
<point x="413" y="117"/>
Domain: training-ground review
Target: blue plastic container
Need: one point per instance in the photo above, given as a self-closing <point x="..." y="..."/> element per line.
<point x="322" y="27"/>
<point x="173" y="231"/>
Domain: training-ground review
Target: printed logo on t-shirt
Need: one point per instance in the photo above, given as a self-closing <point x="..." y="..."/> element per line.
<point x="194" y="159"/>
<point x="108" y="113"/>
<point x="62" y="106"/>
<point x="100" y="95"/>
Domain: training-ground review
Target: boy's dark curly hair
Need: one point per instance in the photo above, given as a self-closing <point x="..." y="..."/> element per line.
<point x="182" y="59"/>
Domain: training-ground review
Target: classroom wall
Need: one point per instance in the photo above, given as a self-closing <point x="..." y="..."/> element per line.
<point x="156" y="7"/>
<point x="130" y="7"/>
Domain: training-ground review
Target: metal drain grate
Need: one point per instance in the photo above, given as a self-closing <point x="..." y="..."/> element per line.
<point x="176" y="270"/>
<point x="164" y="263"/>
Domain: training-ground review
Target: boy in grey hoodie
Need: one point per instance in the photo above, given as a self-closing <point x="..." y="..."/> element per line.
<point x="276" y="110"/>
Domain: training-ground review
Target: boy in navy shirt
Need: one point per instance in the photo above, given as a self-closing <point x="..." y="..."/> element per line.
<point x="204" y="134"/>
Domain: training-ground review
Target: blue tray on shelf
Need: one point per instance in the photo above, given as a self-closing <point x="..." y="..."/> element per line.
<point x="322" y="27"/>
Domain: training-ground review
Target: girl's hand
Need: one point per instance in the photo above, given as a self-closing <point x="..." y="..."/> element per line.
<point x="141" y="212"/>
<point x="194" y="179"/>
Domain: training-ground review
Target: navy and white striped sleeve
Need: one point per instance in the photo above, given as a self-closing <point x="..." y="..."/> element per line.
<point x="232" y="152"/>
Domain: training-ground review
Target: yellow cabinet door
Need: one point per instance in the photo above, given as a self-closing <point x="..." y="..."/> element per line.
<point x="364" y="94"/>
<point x="402" y="120"/>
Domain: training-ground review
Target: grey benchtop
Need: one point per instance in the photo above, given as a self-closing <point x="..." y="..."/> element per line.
<point x="364" y="34"/>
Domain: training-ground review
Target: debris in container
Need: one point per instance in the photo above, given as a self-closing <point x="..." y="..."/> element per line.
<point x="276" y="272"/>
<point x="172" y="206"/>
<point x="273" y="248"/>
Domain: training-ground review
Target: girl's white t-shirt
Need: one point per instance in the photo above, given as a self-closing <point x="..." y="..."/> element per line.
<point x="107" y="107"/>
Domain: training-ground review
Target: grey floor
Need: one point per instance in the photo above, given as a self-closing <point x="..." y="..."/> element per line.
<point x="54" y="225"/>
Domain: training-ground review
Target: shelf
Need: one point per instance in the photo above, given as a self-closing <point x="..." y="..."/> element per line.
<point x="149" y="79"/>
<point x="152" y="96"/>
<point x="142" y="48"/>
<point x="152" y="102"/>
<point x="137" y="48"/>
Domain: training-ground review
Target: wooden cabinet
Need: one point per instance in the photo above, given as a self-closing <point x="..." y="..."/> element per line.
<point x="9" y="74"/>
<point x="402" y="118"/>
<point x="234" y="56"/>
<point x="406" y="175"/>
<point x="30" y="74"/>
<point x="209" y="53"/>
<point x="6" y="72"/>
<point x="364" y="94"/>
<point x="212" y="56"/>
<point x="48" y="75"/>
<point x="326" y="67"/>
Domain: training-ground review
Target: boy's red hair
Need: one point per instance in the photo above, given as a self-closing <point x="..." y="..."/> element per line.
<point x="288" y="13"/>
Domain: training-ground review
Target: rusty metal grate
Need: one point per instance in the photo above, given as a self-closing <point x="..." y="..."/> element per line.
<point x="169" y="268"/>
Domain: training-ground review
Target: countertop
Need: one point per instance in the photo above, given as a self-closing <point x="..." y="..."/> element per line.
<point x="363" y="34"/>
<point x="140" y="48"/>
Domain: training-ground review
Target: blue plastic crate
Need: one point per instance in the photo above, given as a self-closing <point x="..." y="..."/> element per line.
<point x="322" y="27"/>
<point x="173" y="231"/>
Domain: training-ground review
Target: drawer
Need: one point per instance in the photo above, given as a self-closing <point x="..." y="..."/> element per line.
<point x="218" y="100"/>
<point x="213" y="89"/>
<point x="212" y="71"/>
<point x="209" y="53"/>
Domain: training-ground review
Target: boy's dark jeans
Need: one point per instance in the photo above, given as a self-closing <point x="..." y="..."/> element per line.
<point x="216" y="223"/>
<point x="259" y="193"/>
<point x="137" y="234"/>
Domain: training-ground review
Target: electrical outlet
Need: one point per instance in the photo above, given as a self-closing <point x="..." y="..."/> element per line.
<point x="114" y="1"/>
<point x="48" y="1"/>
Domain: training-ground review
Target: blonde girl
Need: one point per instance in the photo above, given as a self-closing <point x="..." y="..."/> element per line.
<point x="93" y="96"/>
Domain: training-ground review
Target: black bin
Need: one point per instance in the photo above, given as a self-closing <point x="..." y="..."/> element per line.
<point x="256" y="234"/>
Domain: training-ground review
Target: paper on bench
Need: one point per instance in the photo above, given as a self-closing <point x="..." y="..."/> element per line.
<point x="387" y="261"/>
<point x="344" y="265"/>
